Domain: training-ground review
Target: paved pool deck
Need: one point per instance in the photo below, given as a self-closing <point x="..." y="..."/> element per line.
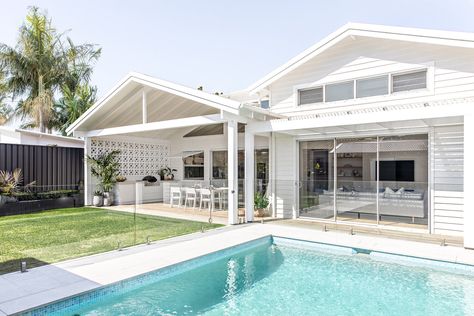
<point x="40" y="286"/>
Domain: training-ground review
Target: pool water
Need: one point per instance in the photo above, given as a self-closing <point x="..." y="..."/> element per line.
<point x="269" y="279"/>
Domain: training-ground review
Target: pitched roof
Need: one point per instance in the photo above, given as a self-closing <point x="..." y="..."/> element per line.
<point x="213" y="101"/>
<point x="457" y="39"/>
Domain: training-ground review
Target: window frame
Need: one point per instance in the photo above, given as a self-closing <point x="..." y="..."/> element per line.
<point x="386" y="76"/>
<point x="425" y="70"/>
<point x="427" y="67"/>
<point x="196" y="166"/>
<point x="340" y="83"/>
<point x="311" y="88"/>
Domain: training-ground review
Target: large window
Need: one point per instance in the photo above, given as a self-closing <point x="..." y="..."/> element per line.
<point x="194" y="165"/>
<point x="367" y="87"/>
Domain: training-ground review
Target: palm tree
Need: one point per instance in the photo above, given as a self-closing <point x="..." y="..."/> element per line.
<point x="77" y="94"/>
<point x="72" y="104"/>
<point x="35" y="67"/>
<point x="5" y="110"/>
<point x="41" y="65"/>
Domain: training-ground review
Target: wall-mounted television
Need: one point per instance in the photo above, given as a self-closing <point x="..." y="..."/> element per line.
<point x="397" y="170"/>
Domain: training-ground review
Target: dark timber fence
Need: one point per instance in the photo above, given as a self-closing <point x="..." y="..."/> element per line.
<point x="51" y="167"/>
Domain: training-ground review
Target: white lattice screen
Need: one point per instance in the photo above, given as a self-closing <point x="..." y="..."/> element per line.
<point x="136" y="159"/>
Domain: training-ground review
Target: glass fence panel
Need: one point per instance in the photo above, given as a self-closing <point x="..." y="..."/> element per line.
<point x="45" y="224"/>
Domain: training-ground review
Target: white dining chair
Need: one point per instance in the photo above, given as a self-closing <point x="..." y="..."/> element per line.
<point x="205" y="198"/>
<point x="190" y="196"/>
<point x="175" y="195"/>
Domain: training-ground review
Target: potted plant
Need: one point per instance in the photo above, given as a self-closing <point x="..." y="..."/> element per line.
<point x="98" y="198"/>
<point x="121" y="179"/>
<point x="261" y="203"/>
<point x="105" y="168"/>
<point x="167" y="173"/>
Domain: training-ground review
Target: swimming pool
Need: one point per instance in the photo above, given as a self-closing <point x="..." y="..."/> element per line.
<point x="276" y="276"/>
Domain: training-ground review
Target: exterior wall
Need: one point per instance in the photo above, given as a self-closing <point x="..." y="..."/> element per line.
<point x="447" y="162"/>
<point x="285" y="176"/>
<point x="448" y="76"/>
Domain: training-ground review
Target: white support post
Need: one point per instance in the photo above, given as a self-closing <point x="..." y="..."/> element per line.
<point x="232" y="147"/>
<point x="271" y="177"/>
<point x="87" y="174"/>
<point x="468" y="185"/>
<point x="144" y="107"/>
<point x="249" y="176"/>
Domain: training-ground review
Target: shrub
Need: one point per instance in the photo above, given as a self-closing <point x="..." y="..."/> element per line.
<point x="261" y="201"/>
<point x="55" y="194"/>
<point x="30" y="196"/>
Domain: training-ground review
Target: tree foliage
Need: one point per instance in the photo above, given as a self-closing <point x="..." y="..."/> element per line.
<point x="44" y="66"/>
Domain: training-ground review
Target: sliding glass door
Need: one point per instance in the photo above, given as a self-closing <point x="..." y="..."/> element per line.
<point x="374" y="180"/>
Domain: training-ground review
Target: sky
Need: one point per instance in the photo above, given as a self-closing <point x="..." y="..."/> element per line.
<point x="221" y="45"/>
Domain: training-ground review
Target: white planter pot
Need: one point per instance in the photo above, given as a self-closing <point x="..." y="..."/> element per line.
<point x="108" y="198"/>
<point x="97" y="200"/>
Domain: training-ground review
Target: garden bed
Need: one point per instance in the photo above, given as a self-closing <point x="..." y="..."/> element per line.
<point x="26" y="202"/>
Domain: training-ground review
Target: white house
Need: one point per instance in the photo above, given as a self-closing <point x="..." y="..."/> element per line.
<point x="365" y="127"/>
<point x="9" y="135"/>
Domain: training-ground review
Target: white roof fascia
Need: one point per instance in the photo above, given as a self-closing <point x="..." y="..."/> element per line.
<point x="35" y="133"/>
<point x="447" y="38"/>
<point x="215" y="101"/>
<point x="40" y="134"/>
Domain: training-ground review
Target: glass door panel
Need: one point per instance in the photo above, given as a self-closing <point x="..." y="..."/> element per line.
<point x="403" y="180"/>
<point x="316" y="186"/>
<point x="356" y="193"/>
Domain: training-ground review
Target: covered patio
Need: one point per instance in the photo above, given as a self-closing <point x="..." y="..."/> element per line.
<point x="156" y="124"/>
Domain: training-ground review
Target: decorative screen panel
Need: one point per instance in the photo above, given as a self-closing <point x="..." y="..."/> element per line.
<point x="135" y="159"/>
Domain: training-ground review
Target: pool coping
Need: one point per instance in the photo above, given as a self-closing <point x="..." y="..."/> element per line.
<point x="93" y="272"/>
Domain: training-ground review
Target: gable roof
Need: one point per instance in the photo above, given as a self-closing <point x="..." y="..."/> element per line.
<point x="211" y="100"/>
<point x="456" y="39"/>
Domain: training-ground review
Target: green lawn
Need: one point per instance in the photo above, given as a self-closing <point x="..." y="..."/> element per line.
<point x="56" y="235"/>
